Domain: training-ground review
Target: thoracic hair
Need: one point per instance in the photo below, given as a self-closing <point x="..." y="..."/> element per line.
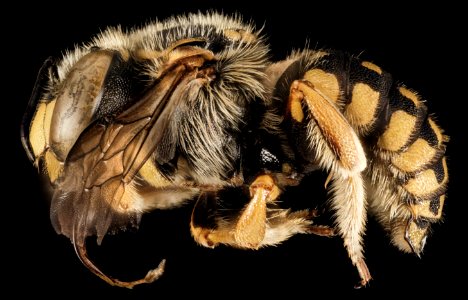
<point x="239" y="69"/>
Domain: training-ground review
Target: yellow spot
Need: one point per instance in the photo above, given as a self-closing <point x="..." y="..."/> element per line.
<point x="398" y="132"/>
<point x="40" y="127"/>
<point x="151" y="174"/>
<point x="326" y="83"/>
<point x="52" y="165"/>
<point x="365" y="101"/>
<point x="410" y="95"/>
<point x="372" y="67"/>
<point x="437" y="131"/>
<point x="423" y="184"/>
<point x="415" y="157"/>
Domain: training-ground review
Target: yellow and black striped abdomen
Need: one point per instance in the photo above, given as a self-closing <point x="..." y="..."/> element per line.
<point x="406" y="173"/>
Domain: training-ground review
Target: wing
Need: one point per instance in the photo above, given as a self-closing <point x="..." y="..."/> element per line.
<point x="97" y="187"/>
<point x="99" y="130"/>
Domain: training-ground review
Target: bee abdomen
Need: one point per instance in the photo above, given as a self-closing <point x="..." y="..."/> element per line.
<point x="359" y="88"/>
<point x="406" y="152"/>
<point x="427" y="149"/>
<point x="367" y="104"/>
<point x="399" y="133"/>
<point x="407" y="171"/>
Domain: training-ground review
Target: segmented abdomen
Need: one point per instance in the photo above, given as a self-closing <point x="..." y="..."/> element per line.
<point x="407" y="172"/>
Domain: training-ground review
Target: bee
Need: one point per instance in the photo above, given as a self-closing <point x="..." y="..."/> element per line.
<point x="181" y="110"/>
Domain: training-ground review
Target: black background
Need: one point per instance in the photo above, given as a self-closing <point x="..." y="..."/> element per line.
<point x="419" y="46"/>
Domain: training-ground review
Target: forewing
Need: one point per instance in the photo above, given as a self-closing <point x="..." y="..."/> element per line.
<point x="97" y="188"/>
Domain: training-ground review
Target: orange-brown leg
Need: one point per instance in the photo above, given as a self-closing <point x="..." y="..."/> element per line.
<point x="342" y="154"/>
<point x="257" y="225"/>
<point x="251" y="225"/>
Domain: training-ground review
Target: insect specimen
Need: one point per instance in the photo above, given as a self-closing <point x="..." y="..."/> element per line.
<point x="180" y="110"/>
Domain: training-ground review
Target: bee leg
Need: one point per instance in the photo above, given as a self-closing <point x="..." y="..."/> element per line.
<point x="340" y="152"/>
<point x="250" y="229"/>
<point x="150" y="277"/>
<point x="209" y="228"/>
<point x="321" y="230"/>
<point x="204" y="224"/>
<point x="283" y="223"/>
<point x="349" y="203"/>
<point x="363" y="273"/>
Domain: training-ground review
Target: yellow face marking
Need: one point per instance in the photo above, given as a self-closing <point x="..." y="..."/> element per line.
<point x="40" y="127"/>
<point x="437" y="131"/>
<point x="151" y="174"/>
<point x="423" y="184"/>
<point x="423" y="209"/>
<point x="410" y="95"/>
<point x="37" y="137"/>
<point x="327" y="83"/>
<point x="371" y="66"/>
<point x="48" y="119"/>
<point x="398" y="132"/>
<point x="415" y="157"/>
<point x="52" y="165"/>
<point x="364" y="103"/>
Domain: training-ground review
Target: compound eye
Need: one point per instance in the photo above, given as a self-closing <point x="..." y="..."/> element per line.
<point x="78" y="100"/>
